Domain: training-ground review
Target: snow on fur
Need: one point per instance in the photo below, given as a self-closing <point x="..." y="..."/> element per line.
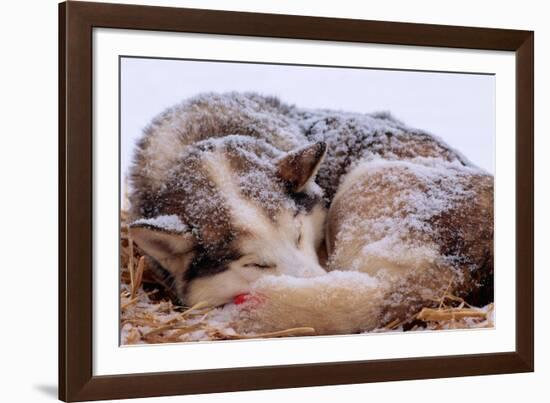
<point x="166" y="222"/>
<point x="424" y="187"/>
<point x="426" y="176"/>
<point x="223" y="120"/>
<point x="206" y="117"/>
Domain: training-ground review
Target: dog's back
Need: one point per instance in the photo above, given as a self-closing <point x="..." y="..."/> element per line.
<point x="354" y="138"/>
<point x="207" y="116"/>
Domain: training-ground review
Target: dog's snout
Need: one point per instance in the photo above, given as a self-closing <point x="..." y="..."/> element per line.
<point x="300" y="265"/>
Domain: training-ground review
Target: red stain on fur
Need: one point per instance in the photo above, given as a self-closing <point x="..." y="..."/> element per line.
<point x="248" y="299"/>
<point x="240" y="299"/>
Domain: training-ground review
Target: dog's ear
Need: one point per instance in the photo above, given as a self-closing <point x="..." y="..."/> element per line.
<point x="163" y="243"/>
<point x="297" y="167"/>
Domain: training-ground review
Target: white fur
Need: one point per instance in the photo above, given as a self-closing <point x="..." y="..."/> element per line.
<point x="336" y="303"/>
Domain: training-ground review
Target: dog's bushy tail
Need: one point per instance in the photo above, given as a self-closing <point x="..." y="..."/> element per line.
<point x="336" y="303"/>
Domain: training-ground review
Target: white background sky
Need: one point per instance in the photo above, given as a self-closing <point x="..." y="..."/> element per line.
<point x="460" y="108"/>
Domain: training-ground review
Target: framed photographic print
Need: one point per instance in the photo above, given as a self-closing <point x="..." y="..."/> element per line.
<point x="252" y="201"/>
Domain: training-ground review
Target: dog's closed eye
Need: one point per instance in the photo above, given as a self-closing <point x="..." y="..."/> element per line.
<point x="260" y="265"/>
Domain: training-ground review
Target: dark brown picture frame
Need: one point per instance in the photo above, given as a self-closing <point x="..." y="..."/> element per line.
<point x="76" y="23"/>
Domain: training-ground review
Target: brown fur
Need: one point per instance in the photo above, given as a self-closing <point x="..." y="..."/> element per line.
<point x="451" y="253"/>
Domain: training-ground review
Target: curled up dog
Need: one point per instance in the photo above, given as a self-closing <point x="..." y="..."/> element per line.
<point x="339" y="221"/>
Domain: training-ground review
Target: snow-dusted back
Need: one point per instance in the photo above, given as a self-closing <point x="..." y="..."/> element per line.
<point x="223" y="120"/>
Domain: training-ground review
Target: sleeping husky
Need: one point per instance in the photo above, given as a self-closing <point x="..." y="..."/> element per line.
<point x="227" y="189"/>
